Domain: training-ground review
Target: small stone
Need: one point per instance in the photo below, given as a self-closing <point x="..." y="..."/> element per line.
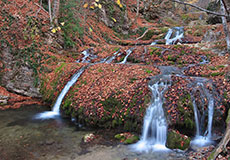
<point x="49" y="142"/>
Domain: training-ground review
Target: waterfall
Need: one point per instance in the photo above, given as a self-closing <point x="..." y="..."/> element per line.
<point x="87" y="56"/>
<point x="203" y="137"/>
<point x="174" y="34"/>
<point x="129" y="51"/>
<point x="154" y="134"/>
<point x="56" y="108"/>
<point x="112" y="58"/>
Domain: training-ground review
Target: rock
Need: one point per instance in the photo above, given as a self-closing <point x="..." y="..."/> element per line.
<point x="19" y="78"/>
<point x="127" y="138"/>
<point x="89" y="137"/>
<point x="197" y="22"/>
<point x="211" y="36"/>
<point x="49" y="142"/>
<point x="176" y="140"/>
<point x="131" y="140"/>
<point x="3" y="100"/>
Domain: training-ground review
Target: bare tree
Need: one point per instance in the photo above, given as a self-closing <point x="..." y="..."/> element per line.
<point x="223" y="13"/>
<point x="222" y="145"/>
<point x="56" y="6"/>
<point x="50" y="11"/>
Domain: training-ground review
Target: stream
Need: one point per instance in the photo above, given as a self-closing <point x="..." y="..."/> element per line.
<point x="33" y="132"/>
<point x="24" y="138"/>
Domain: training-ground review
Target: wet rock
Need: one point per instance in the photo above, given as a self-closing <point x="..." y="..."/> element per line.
<point x="19" y="77"/>
<point x="3" y="100"/>
<point x="127" y="138"/>
<point x="176" y="140"/>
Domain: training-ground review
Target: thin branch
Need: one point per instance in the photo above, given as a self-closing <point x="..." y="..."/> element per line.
<point x="143" y="34"/>
<point x="41" y="7"/>
<point x="202" y="9"/>
<point x="225" y="6"/>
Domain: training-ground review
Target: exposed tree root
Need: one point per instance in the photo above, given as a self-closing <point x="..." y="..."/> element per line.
<point x="222" y="145"/>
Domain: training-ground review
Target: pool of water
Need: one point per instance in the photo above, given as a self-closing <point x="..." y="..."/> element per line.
<point x="25" y="138"/>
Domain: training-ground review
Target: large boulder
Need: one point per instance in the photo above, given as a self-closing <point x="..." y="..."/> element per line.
<point x="18" y="77"/>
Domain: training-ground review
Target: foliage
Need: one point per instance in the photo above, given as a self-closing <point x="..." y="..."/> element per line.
<point x="72" y="23"/>
<point x="175" y="140"/>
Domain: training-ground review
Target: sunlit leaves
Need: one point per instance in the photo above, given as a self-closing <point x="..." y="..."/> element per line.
<point x="119" y="3"/>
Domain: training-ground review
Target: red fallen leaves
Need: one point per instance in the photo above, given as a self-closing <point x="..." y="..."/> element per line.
<point x="100" y="81"/>
<point x="16" y="101"/>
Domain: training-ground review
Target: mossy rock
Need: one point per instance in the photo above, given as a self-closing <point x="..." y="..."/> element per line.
<point x="131" y="140"/>
<point x="177" y="141"/>
<point x="127" y="138"/>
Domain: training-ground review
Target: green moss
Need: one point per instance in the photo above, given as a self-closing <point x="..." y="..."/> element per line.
<point x="228" y="118"/>
<point x="220" y="66"/>
<point x="185" y="108"/>
<point x="217" y="74"/>
<point x="132" y="60"/>
<point x="131" y="140"/>
<point x="114" y="123"/>
<point x="148" y="71"/>
<point x="132" y="79"/>
<point x="172" y="58"/>
<point x="164" y="29"/>
<point x="119" y="136"/>
<point x="212" y="68"/>
<point x="149" y="35"/>
<point x="60" y="67"/>
<point x="177" y="141"/>
<point x="128" y="126"/>
<point x="185" y="17"/>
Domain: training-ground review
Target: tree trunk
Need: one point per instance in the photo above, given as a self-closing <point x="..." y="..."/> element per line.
<point x="225" y="25"/>
<point x="138" y="8"/>
<point x="56" y="6"/>
<point x="222" y="145"/>
<point x="50" y="11"/>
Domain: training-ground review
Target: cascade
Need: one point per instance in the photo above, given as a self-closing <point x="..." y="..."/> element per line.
<point x="56" y="108"/>
<point x="154" y="133"/>
<point x="87" y="56"/>
<point x="129" y="51"/>
<point x="174" y="34"/>
<point x="203" y="136"/>
<point x="112" y="58"/>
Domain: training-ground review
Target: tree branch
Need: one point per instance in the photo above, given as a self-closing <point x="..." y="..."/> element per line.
<point x="143" y="34"/>
<point x="202" y="9"/>
<point x="225" y="6"/>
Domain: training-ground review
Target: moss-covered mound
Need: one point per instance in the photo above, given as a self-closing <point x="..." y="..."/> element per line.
<point x="106" y="95"/>
<point x="175" y="140"/>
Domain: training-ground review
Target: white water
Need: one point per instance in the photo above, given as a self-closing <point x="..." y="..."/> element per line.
<point x="87" y="57"/>
<point x="129" y="51"/>
<point x="154" y="134"/>
<point x="203" y="138"/>
<point x="56" y="108"/>
<point x="174" y="35"/>
<point x="112" y="58"/>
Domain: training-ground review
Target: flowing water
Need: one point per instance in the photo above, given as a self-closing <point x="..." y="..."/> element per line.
<point x="25" y="138"/>
<point x="154" y="134"/>
<point x="174" y="34"/>
<point x="112" y="58"/>
<point x="129" y="51"/>
<point x="203" y="136"/>
<point x="87" y="56"/>
<point x="56" y="108"/>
